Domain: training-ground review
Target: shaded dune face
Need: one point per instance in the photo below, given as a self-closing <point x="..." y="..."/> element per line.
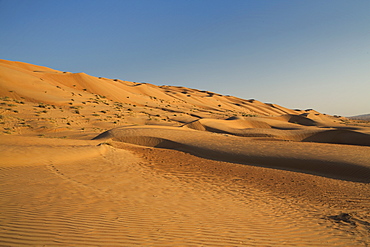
<point x="340" y="137"/>
<point x="329" y="160"/>
<point x="262" y="127"/>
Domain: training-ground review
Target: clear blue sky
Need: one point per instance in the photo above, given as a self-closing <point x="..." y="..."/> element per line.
<point x="298" y="54"/>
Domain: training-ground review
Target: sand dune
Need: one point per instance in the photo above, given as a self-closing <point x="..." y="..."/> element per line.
<point x="328" y="160"/>
<point x="365" y="117"/>
<point x="231" y="125"/>
<point x="340" y="137"/>
<point x="93" y="161"/>
<point x="55" y="83"/>
<point x="149" y="196"/>
<point x="280" y="128"/>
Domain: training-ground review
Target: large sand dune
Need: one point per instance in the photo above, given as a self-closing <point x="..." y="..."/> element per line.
<point x="329" y="160"/>
<point x="92" y="161"/>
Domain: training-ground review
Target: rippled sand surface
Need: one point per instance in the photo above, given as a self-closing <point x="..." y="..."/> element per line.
<point x="132" y="195"/>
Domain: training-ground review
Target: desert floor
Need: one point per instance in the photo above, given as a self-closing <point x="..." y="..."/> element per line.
<point x="93" y="192"/>
<point x="87" y="161"/>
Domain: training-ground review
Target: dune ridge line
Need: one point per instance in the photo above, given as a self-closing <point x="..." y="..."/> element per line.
<point x="331" y="161"/>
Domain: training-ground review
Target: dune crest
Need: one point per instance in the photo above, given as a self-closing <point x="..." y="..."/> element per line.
<point x="57" y="83"/>
<point x="311" y="158"/>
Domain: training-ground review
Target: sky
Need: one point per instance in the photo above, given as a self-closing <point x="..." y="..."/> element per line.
<point x="297" y="54"/>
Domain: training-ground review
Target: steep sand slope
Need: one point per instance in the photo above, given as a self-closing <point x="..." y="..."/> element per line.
<point x="14" y="76"/>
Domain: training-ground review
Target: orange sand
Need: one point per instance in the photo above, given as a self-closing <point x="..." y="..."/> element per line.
<point x="89" y="161"/>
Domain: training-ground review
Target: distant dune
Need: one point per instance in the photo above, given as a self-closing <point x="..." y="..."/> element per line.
<point x="92" y="161"/>
<point x="361" y="117"/>
<point x="77" y="101"/>
<point x="60" y="87"/>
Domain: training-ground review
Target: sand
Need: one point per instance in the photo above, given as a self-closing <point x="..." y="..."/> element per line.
<point x="89" y="161"/>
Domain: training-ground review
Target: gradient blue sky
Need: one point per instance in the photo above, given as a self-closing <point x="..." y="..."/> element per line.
<point x="298" y="54"/>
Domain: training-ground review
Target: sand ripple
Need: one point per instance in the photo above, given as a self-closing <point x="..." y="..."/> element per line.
<point x="118" y="199"/>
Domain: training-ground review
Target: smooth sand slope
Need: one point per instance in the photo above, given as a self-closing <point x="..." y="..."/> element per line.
<point x="339" y="161"/>
<point x="91" y="161"/>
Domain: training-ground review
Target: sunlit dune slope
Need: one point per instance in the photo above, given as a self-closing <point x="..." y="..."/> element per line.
<point x="41" y="84"/>
<point x="37" y="100"/>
